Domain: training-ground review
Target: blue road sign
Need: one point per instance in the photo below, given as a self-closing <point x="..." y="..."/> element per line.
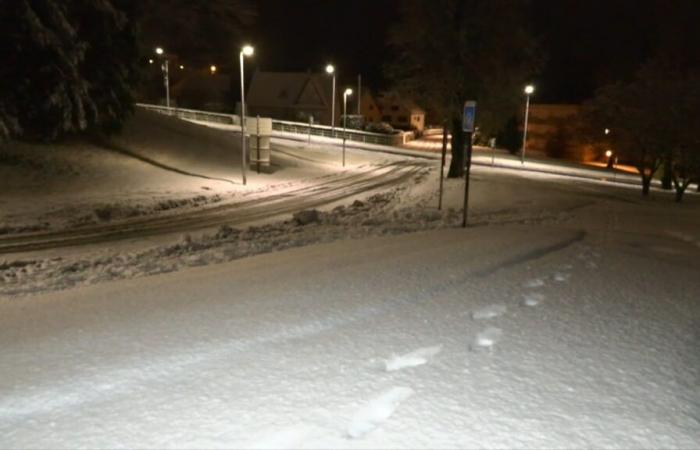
<point x="469" y="116"/>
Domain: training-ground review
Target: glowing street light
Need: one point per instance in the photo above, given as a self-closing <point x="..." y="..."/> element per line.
<point x="611" y="162"/>
<point x="247" y="50"/>
<point x="164" y="68"/>
<point x="150" y="61"/>
<point x="529" y="89"/>
<point x="212" y="69"/>
<point x="181" y="67"/>
<point x="330" y="70"/>
<point x="346" y="94"/>
<point x="607" y="131"/>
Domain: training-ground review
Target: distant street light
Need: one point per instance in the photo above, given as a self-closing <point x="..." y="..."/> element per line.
<point x="529" y="89"/>
<point x="330" y="70"/>
<point x="150" y="61"/>
<point x="608" y="154"/>
<point x="347" y="93"/>
<point x="247" y="50"/>
<point x="212" y="69"/>
<point x="164" y="68"/>
<point x="607" y="131"/>
<point x="181" y="67"/>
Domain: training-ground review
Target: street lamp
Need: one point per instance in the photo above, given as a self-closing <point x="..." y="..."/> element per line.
<point x="164" y="68"/>
<point x="608" y="154"/>
<point x="330" y="70"/>
<point x="346" y="94"/>
<point x="529" y="89"/>
<point x="212" y="69"/>
<point x="247" y="50"/>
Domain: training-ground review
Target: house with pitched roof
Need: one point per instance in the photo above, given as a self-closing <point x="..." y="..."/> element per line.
<point x="292" y="96"/>
<point x="398" y="111"/>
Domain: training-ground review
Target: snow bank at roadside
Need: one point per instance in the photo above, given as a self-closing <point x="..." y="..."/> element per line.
<point x="371" y="217"/>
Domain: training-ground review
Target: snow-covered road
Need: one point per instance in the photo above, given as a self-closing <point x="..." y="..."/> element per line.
<point x="510" y="336"/>
<point x="297" y="196"/>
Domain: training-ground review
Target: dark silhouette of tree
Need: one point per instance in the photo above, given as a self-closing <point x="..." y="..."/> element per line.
<point x="510" y="136"/>
<point x="449" y="51"/>
<point x="67" y="66"/>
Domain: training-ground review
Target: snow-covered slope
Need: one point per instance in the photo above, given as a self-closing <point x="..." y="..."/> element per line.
<point x="157" y="165"/>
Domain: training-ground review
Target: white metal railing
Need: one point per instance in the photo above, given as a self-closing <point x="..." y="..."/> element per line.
<point x="204" y="116"/>
<point x="287" y="126"/>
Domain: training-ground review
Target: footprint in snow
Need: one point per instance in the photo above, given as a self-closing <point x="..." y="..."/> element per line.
<point x="532" y="299"/>
<point x="413" y="359"/>
<point x="377" y="411"/>
<point x="290" y="437"/>
<point x="534" y="283"/>
<point x="488" y="338"/>
<point x="489" y="312"/>
<point x="561" y="277"/>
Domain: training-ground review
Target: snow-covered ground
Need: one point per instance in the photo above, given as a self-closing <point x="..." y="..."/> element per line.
<point x="159" y="166"/>
<point x="532" y="336"/>
<point x="565" y="316"/>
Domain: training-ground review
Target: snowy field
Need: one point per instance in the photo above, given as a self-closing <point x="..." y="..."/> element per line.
<point x="566" y="316"/>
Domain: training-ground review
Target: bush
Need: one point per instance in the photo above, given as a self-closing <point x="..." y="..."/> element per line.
<point x="510" y="137"/>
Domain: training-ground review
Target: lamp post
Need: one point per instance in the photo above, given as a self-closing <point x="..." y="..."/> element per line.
<point x="164" y="68"/>
<point x="330" y="70"/>
<point x="247" y="50"/>
<point x="347" y="93"/>
<point x="529" y="89"/>
<point x="608" y="154"/>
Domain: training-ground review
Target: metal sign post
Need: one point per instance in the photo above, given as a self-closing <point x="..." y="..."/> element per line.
<point x="468" y="119"/>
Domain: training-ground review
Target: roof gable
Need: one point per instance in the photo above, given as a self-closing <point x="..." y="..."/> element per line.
<point x="287" y="89"/>
<point x="310" y="95"/>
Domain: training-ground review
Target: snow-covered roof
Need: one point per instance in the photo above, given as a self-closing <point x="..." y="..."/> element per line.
<point x="289" y="89"/>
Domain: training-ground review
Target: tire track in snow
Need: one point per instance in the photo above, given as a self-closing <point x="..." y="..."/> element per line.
<point x="230" y="214"/>
<point x="531" y="255"/>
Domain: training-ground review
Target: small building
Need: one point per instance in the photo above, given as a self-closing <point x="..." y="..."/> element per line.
<point x="369" y="108"/>
<point x="293" y="96"/>
<point x="398" y="111"/>
<point x="554" y="130"/>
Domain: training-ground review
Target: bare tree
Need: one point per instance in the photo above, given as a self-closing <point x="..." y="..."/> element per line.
<point x="653" y="121"/>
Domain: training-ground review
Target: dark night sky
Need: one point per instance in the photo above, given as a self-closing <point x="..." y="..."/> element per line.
<point x="587" y="43"/>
